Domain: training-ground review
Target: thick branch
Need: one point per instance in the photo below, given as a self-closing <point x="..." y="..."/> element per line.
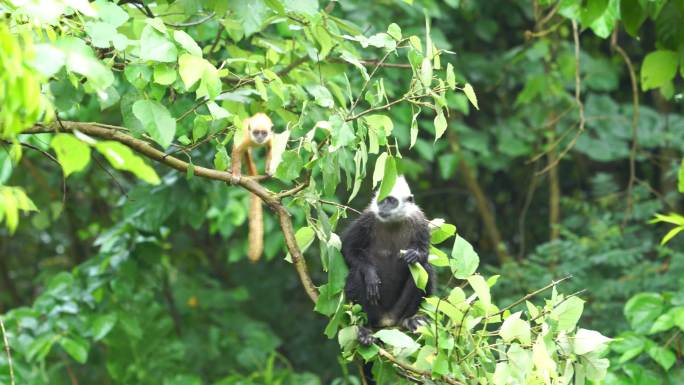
<point x="408" y="367"/>
<point x="251" y="184"/>
<point x="488" y="220"/>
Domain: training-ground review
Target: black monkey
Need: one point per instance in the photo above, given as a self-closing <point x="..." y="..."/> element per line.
<point x="378" y="248"/>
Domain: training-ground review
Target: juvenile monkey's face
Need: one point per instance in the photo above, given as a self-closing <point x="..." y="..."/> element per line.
<point x="259" y="127"/>
<point x="397" y="206"/>
<point x="259" y="136"/>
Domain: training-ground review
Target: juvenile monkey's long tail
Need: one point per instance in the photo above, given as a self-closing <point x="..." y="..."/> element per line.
<point x="256" y="229"/>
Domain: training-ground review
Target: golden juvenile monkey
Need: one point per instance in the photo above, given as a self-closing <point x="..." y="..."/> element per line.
<point x="258" y="134"/>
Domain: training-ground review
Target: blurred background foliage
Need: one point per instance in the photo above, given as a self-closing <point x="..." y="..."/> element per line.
<point x="131" y="283"/>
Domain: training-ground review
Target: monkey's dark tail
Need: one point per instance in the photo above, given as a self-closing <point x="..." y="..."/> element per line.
<point x="367" y="374"/>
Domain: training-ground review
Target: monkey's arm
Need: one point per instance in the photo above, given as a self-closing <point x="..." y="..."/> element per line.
<point x="355" y="243"/>
<point x="267" y="164"/>
<point x="236" y="160"/>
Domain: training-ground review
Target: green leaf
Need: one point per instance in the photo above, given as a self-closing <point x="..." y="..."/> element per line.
<point x="663" y="356"/>
<point x="379" y="171"/>
<point x="100" y="33"/>
<point x="347" y="337"/>
<point x="437" y="257"/>
<point x="440" y="124"/>
<point x="73" y="155"/>
<point x="595" y="368"/>
<point x="420" y="276"/>
<point x="568" y="313"/>
<point x="156" y="120"/>
<point x="395" y="31"/>
<point x="680" y="177"/>
<point x="81" y="59"/>
<point x="322" y="95"/>
<point x="632" y="16"/>
<point x="398" y="340"/>
<point x="603" y="25"/>
<point x="379" y="128"/>
<point x="426" y="72"/>
<point x="541" y="358"/>
<point x="388" y="179"/>
<point x="642" y="309"/>
<point x="442" y="232"/>
<point x="479" y="285"/>
<point x="122" y="158"/>
<point x="210" y="86"/>
<point x="671" y="234"/>
<point x="290" y="166"/>
<point x="587" y="341"/>
<point x="276" y="5"/>
<point x="190" y="68"/>
<point x="447" y="308"/>
<point x="102" y="325"/>
<point x="164" y="74"/>
<point x="307" y="7"/>
<point x="341" y="133"/>
<point x="658" y="69"/>
<point x="110" y="13"/>
<point x="450" y="76"/>
<point x="261" y="89"/>
<point x="470" y="94"/>
<point x="187" y="42"/>
<point x="78" y="350"/>
<point x="464" y="260"/>
<point x="40" y="347"/>
<point x="414" y="129"/>
<point x="48" y="59"/>
<point x="515" y="328"/>
<point x="155" y="46"/>
<point x="592" y="10"/>
<point x="305" y="237"/>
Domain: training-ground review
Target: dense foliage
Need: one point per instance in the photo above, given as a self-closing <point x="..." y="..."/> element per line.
<point x="546" y="135"/>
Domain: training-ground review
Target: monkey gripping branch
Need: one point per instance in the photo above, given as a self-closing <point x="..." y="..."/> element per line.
<point x="169" y="73"/>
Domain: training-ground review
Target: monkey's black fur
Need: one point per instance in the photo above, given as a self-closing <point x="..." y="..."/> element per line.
<point x="379" y="278"/>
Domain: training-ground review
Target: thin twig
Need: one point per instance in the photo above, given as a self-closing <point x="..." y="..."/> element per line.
<point x="530" y="295"/>
<point x="406" y="366"/>
<point x="365" y="84"/>
<point x="116" y="181"/>
<point x="526" y="207"/>
<point x="578" y="100"/>
<point x="331" y="203"/>
<point x="192" y="23"/>
<point x="373" y="63"/>
<point x="7" y="351"/>
<point x="635" y="128"/>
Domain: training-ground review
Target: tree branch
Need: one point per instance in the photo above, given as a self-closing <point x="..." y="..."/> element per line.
<point x="635" y="127"/>
<point x="408" y="367"/>
<point x="250" y="184"/>
<point x="7" y="351"/>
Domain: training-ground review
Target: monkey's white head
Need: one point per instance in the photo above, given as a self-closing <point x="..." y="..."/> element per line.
<point x="396" y="206"/>
<point x="259" y="127"/>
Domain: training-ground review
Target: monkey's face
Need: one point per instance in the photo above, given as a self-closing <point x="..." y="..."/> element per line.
<point x="260" y="136"/>
<point x="396" y="206"/>
<point x="260" y="128"/>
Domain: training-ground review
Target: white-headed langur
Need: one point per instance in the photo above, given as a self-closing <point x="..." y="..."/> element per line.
<point x="378" y="248"/>
<point x="258" y="133"/>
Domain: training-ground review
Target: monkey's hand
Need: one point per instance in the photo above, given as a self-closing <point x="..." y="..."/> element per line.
<point x="366" y="337"/>
<point x="235" y="179"/>
<point x="413" y="323"/>
<point x="372" y="287"/>
<point x="411" y="256"/>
